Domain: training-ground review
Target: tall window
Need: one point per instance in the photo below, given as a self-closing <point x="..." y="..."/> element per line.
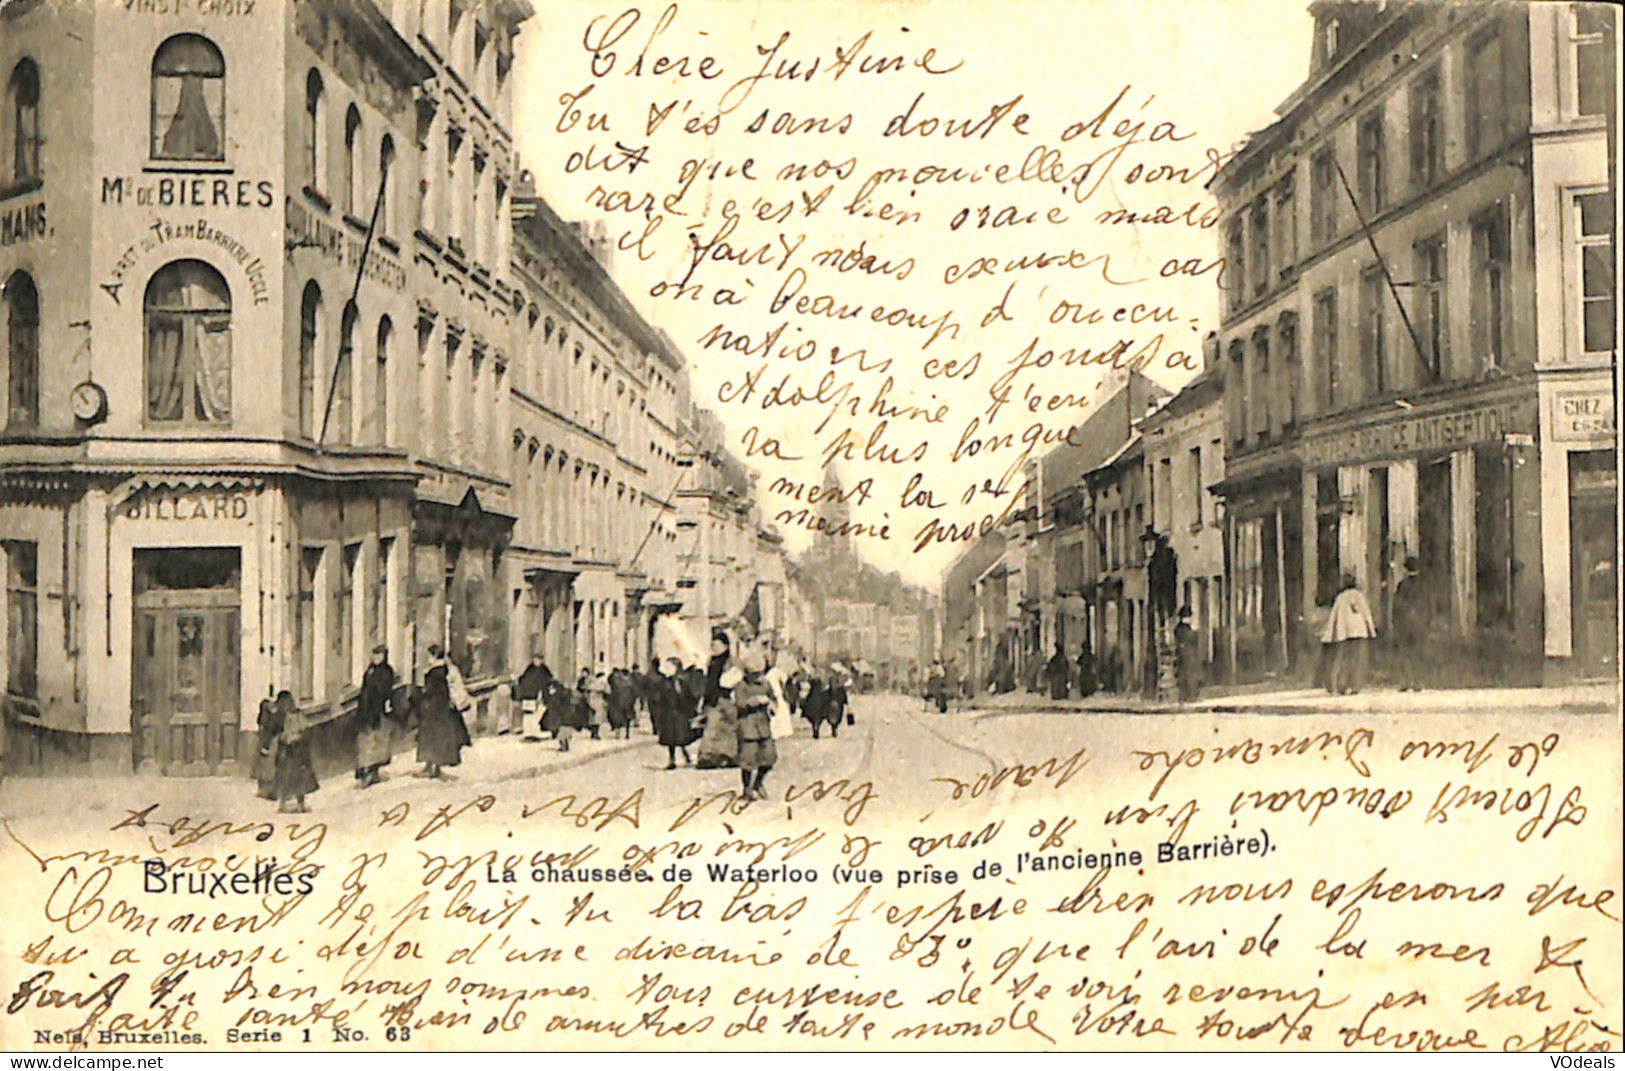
<point x="1486" y="94"/>
<point x="188" y="317"/>
<point x="1431" y="327"/>
<point x="315" y="124"/>
<point x="1427" y="130"/>
<point x="22" y="344"/>
<point x="22" y="109"/>
<point x="1326" y="349"/>
<point x="310" y="314"/>
<point x="1291" y="368"/>
<point x="345" y="648"/>
<point x="1373" y="331"/>
<point x="1198" y="491"/>
<point x="1236" y="262"/>
<point x="339" y="410"/>
<point x="1261" y="244"/>
<point x="1591" y="59"/>
<point x="1286" y="223"/>
<point x="353" y="197"/>
<point x="1236" y="391"/>
<point x="379" y="616"/>
<point x="1323" y="198"/>
<point x="1262" y="386"/>
<point x="380" y="385"/>
<point x="1490" y="288"/>
<point x="1594" y="240"/>
<point x="304" y="622"/>
<point x="188" y="100"/>
<point x="1373" y="163"/>
<point x="386" y="162"/>
<point x="22" y="614"/>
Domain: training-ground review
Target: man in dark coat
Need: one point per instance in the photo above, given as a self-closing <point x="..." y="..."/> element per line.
<point x="1056" y="673"/>
<point x="372" y="742"/>
<point x="1411" y="622"/>
<point x="815" y="703"/>
<point x="1189" y="656"/>
<point x="442" y="734"/>
<point x="623" y="702"/>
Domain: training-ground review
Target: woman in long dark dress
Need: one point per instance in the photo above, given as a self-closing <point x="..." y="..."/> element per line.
<point x="673" y="722"/>
<point x="815" y="703"/>
<point x="270" y="731"/>
<point x="295" y="772"/>
<point x="559" y="714"/>
<point x="441" y="732"/>
<point x="1086" y="670"/>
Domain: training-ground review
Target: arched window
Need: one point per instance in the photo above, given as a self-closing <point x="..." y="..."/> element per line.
<point x="22" y="344"/>
<point x="315" y="121"/>
<point x="353" y="195"/>
<point x="188" y="318"/>
<point x="386" y="163"/>
<point x="338" y="411"/>
<point x="310" y="314"/>
<point x="22" y="109"/>
<point x="188" y="100"/>
<point x="380" y="384"/>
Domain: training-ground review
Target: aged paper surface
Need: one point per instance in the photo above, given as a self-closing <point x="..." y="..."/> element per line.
<point x="1083" y="387"/>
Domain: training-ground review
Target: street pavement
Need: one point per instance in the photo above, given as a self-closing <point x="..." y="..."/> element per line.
<point x="895" y="738"/>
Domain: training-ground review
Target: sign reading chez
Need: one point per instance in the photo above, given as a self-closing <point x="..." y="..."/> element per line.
<point x="1420" y="434"/>
<point x="167" y="505"/>
<point x="1580" y="416"/>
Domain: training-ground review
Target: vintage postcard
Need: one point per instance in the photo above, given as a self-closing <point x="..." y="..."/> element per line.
<point x="839" y="526"/>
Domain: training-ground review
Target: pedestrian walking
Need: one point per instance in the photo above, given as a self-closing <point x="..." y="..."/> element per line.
<point x="719" y="743"/>
<point x="672" y="713"/>
<point x="560" y="715"/>
<point x="753" y="702"/>
<point x="1188" y="657"/>
<point x="1412" y="618"/>
<point x="937" y="688"/>
<point x="295" y="772"/>
<point x="269" y="732"/>
<point x="1350" y="630"/>
<point x="1056" y="673"/>
<point x="1087" y="682"/>
<point x="594" y="692"/>
<point x="442" y="733"/>
<point x="622" y="702"/>
<point x="373" y="739"/>
<point x="527" y="692"/>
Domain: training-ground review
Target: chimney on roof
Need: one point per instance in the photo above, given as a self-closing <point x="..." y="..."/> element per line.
<point x="1210" y="350"/>
<point x="594" y="238"/>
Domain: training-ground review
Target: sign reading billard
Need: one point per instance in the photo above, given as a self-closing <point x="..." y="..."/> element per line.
<point x="189" y="506"/>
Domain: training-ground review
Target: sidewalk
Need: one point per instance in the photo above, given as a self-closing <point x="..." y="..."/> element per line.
<point x="488" y="762"/>
<point x="1601" y="698"/>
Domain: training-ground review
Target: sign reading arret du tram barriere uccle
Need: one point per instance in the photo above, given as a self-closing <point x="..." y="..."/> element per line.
<point x="1420" y="434"/>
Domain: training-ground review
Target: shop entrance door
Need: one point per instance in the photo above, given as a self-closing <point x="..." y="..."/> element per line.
<point x="186" y="662"/>
<point x="1594" y="535"/>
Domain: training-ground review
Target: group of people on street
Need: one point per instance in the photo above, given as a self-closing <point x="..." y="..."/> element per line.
<point x="285" y="771"/>
<point x="727" y="713"/>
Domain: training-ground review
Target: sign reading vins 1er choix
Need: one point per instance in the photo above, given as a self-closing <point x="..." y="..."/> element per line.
<point x="187" y="506"/>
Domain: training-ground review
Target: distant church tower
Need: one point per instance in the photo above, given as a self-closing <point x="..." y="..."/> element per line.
<point x="835" y="512"/>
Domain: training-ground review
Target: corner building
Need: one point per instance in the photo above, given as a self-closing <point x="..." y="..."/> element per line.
<point x="220" y="474"/>
<point x="1416" y="340"/>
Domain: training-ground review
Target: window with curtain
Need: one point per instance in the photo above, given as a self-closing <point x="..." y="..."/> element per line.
<point x="22" y="344"/>
<point x="310" y="311"/>
<point x="1427" y="130"/>
<point x="1373" y="145"/>
<point x="22" y="108"/>
<point x="1429" y="292"/>
<point x="1491" y="293"/>
<point x="1323" y="196"/>
<point x="188" y="321"/>
<point x="22" y="611"/>
<point x="1326" y="357"/>
<point x="304" y="622"/>
<point x="1374" y="331"/>
<point x="188" y="100"/>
